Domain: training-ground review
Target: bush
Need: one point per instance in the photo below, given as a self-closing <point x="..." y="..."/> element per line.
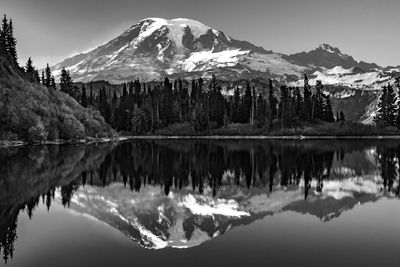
<point x="71" y="128"/>
<point x="37" y="132"/>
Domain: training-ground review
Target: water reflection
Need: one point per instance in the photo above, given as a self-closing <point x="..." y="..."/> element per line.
<point x="182" y="193"/>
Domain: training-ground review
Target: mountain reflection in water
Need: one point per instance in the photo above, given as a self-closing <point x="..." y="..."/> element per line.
<point x="182" y="193"/>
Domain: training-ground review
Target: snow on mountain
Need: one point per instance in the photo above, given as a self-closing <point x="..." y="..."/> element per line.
<point x="351" y="78"/>
<point x="156" y="47"/>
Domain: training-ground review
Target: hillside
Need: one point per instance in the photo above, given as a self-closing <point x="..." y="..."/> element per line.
<point x="32" y="112"/>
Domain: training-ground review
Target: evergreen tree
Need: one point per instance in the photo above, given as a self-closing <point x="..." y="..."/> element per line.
<point x="307" y="103"/>
<point x="91" y="94"/>
<point x="124" y="90"/>
<point x="216" y="105"/>
<point x="43" y="78"/>
<point x="260" y="111"/>
<point x="246" y="104"/>
<point x="37" y="76"/>
<point x="66" y="84"/>
<point x="318" y="102"/>
<point x="284" y="107"/>
<point x="11" y="43"/>
<point x="53" y="82"/>
<point x="29" y="66"/>
<point x="272" y="101"/>
<point x="84" y="100"/>
<point x="235" y="116"/>
<point x="30" y="70"/>
<point x="298" y="102"/>
<point x="328" y="112"/>
<point x="3" y="35"/>
<point x="199" y="118"/>
<point x="167" y="103"/>
<point x="47" y="76"/>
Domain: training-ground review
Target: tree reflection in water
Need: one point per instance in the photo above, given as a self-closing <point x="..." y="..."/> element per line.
<point x="30" y="175"/>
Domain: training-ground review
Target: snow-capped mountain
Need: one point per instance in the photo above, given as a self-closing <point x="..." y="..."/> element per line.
<point x="155" y="47"/>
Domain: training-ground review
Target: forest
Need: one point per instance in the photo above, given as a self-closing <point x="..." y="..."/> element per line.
<point x="201" y="106"/>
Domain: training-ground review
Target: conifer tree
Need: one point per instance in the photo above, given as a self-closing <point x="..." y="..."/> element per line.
<point x="37" y="76"/>
<point x="318" y="102"/>
<point x="11" y="42"/>
<point x="47" y="76"/>
<point x="124" y="90"/>
<point x="84" y="100"/>
<point x="235" y="116"/>
<point x="272" y="101"/>
<point x="247" y="104"/>
<point x="43" y="78"/>
<point x="284" y="105"/>
<point x="91" y="94"/>
<point x="3" y="34"/>
<point x="67" y="85"/>
<point x="30" y="70"/>
<point x="298" y="102"/>
<point x="328" y="112"/>
<point x="307" y="103"/>
<point x="29" y="66"/>
<point x="260" y="111"/>
<point x="53" y="82"/>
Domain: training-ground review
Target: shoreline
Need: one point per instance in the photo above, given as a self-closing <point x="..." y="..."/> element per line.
<point x="261" y="137"/>
<point x="7" y="143"/>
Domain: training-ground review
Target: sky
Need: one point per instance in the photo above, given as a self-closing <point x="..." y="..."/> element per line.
<point x="52" y="30"/>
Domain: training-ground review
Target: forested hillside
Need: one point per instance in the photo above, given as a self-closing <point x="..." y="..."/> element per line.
<point x="33" y="112"/>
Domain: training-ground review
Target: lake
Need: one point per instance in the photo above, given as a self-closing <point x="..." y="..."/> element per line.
<point x="201" y="203"/>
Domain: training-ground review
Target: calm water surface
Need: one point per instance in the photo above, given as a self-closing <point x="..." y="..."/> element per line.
<point x="201" y="203"/>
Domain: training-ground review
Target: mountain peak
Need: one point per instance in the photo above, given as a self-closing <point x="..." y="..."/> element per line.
<point x="177" y="22"/>
<point x="328" y="48"/>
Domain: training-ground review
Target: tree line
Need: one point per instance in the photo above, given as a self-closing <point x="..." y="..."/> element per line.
<point x="143" y="108"/>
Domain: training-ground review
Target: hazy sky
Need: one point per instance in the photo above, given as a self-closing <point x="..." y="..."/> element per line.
<point x="51" y="30"/>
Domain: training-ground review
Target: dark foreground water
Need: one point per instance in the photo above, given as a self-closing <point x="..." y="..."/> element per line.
<point x="201" y="203"/>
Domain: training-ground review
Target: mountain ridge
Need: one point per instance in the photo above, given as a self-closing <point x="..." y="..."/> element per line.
<point x="155" y="47"/>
